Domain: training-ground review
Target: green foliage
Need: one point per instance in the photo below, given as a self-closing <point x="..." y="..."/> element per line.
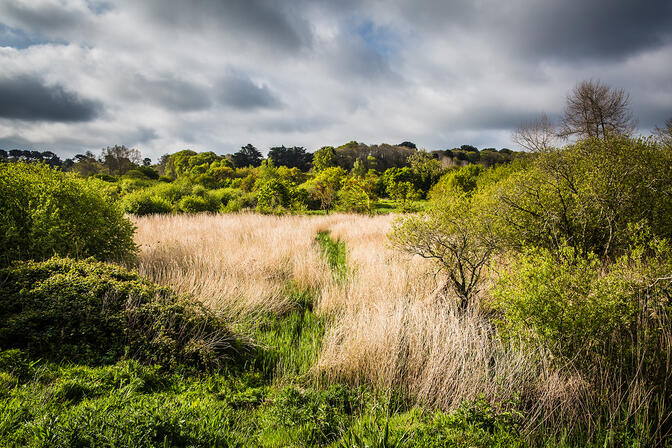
<point x="45" y="212"/>
<point x="91" y="312"/>
<point x="335" y="252"/>
<point x="427" y="170"/>
<point x="456" y="182"/>
<point x="356" y="196"/>
<point x="294" y="157"/>
<point x="401" y="185"/>
<point x="247" y="156"/>
<point x="142" y="203"/>
<point x="272" y="195"/>
<point x="325" y="185"/>
<point x="324" y="158"/>
<point x="195" y="204"/>
<point x="455" y="237"/>
<point x="587" y="196"/>
<point x="475" y="423"/>
<point x="588" y="313"/>
<point x="316" y="417"/>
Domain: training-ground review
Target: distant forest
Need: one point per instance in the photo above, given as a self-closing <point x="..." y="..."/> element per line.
<point x="353" y="177"/>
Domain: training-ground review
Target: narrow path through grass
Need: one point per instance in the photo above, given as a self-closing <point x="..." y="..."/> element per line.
<point x="335" y="253"/>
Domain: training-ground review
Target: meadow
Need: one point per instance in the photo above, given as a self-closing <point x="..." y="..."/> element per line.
<point x="527" y="304"/>
<point x="374" y="317"/>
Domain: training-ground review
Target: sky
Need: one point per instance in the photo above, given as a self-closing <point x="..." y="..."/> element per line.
<point x="214" y="75"/>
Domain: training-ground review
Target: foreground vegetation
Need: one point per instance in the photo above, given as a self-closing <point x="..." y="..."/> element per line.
<point x="528" y="304"/>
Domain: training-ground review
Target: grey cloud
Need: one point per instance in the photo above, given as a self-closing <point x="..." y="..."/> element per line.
<point x="145" y="135"/>
<point x="299" y="124"/>
<point x="172" y="94"/>
<point x="29" y="98"/>
<point x="241" y="93"/>
<point x="51" y="19"/>
<point x="602" y="29"/>
<point x="541" y="29"/>
<point x="267" y="22"/>
<point x="354" y="59"/>
<point x="15" y="142"/>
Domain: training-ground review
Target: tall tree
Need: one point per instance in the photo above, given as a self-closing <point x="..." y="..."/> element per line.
<point x="324" y="158"/>
<point x="596" y="110"/>
<point x="247" y="156"/>
<point x="119" y="159"/>
<point x="294" y="157"/>
<point x="539" y="135"/>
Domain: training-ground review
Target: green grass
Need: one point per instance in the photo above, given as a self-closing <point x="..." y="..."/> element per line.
<point x="335" y="252"/>
<point x="272" y="400"/>
<point x="131" y="405"/>
<point x="384" y="206"/>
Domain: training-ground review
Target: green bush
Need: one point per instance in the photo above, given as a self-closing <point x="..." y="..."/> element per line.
<point x="272" y="195"/>
<point x="239" y="202"/>
<point x="45" y="212"/>
<point x="91" y="312"/>
<point x="142" y="203"/>
<point x="194" y="204"/>
<point x="588" y="313"/>
<point x="587" y="196"/>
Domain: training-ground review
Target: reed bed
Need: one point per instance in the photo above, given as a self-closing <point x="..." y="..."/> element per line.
<point x="388" y="325"/>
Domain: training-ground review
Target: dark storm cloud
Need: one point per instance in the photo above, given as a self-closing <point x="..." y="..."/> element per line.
<point x="272" y="23"/>
<point x="539" y="29"/>
<point x="29" y="98"/>
<point x="241" y="93"/>
<point x="172" y="94"/>
<point x="596" y="29"/>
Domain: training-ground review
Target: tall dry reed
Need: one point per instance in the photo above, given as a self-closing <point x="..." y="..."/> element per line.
<point x="236" y="263"/>
<point x="387" y="327"/>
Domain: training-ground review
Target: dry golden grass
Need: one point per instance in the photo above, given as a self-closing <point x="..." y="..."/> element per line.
<point x="389" y="327"/>
<point x="239" y="263"/>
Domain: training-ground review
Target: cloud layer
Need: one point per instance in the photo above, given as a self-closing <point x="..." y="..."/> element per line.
<point x="164" y="75"/>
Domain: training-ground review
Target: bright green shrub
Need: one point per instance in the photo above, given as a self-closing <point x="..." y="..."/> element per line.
<point x="272" y="195"/>
<point x="173" y="191"/>
<point x="222" y="196"/>
<point x="588" y="313"/>
<point x="92" y="312"/>
<point x="135" y="174"/>
<point x="45" y="212"/>
<point x="355" y="196"/>
<point x="142" y="203"/>
<point x="456" y="182"/>
<point x="241" y="200"/>
<point x="587" y="196"/>
<point x="194" y="204"/>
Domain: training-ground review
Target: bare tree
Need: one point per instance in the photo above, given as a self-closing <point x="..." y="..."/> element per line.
<point x="596" y="110"/>
<point x="539" y="135"/>
<point x="664" y="134"/>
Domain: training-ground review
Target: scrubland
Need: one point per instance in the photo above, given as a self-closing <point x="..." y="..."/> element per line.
<point x="527" y="305"/>
<point x="388" y="324"/>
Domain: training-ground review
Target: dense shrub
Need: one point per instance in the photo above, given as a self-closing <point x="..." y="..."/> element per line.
<point x="272" y="195"/>
<point x="45" y="212"/>
<point x="194" y="204"/>
<point x="587" y="196"/>
<point x="91" y="312"/>
<point x="589" y="313"/>
<point x="144" y="203"/>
